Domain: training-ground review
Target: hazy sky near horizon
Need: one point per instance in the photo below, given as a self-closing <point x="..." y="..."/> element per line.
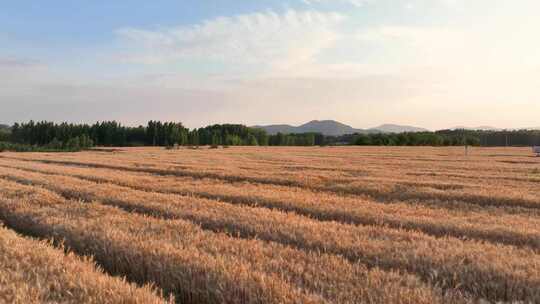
<point x="429" y="63"/>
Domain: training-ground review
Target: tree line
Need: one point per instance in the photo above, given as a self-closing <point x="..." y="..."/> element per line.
<point x="458" y="137"/>
<point x="4" y="133"/>
<point x="112" y="133"/>
<point x="155" y="133"/>
<point x="68" y="136"/>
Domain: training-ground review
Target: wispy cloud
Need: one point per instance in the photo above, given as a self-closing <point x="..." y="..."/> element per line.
<point x="357" y="3"/>
<point x="374" y="61"/>
<point x="409" y="4"/>
<point x="264" y="39"/>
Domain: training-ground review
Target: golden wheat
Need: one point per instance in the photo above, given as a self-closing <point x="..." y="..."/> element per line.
<point x="449" y="263"/>
<point x="492" y="225"/>
<point x="34" y="272"/>
<point x="296" y="225"/>
<point x="199" y="266"/>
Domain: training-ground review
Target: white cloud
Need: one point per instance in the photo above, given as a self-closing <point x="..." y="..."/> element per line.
<point x="264" y="39"/>
<point x="357" y="3"/>
<point x="477" y="67"/>
<point x="407" y="4"/>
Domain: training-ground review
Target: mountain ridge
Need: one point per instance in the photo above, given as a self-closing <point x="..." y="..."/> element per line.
<point x="335" y="128"/>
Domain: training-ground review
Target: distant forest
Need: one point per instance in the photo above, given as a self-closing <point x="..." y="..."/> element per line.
<point x="49" y="136"/>
<point x="52" y="136"/>
<point x="517" y="138"/>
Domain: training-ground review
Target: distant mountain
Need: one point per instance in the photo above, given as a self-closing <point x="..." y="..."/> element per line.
<point x="326" y="127"/>
<point x="335" y="128"/>
<point x="4" y="127"/>
<point x="390" y="128"/>
<point x="274" y="129"/>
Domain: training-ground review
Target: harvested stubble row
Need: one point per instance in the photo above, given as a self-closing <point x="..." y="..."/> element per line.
<point x="481" y="270"/>
<point x="32" y="271"/>
<point x="384" y="191"/>
<point x="493" y="225"/>
<point x="199" y="266"/>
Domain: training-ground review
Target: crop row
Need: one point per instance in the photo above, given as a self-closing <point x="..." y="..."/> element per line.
<point x="200" y="266"/>
<point x="495" y="226"/>
<point x="383" y="191"/>
<point x="32" y="271"/>
<point x="481" y="270"/>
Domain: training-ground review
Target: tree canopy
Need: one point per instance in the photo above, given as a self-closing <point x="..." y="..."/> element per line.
<point x="156" y="133"/>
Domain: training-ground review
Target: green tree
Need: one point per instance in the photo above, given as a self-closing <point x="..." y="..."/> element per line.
<point x="362" y="140"/>
<point x="55" y="144"/>
<point x="194" y="138"/>
<point x="73" y="143"/>
<point x="252" y="140"/>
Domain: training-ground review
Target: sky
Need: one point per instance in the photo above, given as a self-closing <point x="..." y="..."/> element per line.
<point x="429" y="63"/>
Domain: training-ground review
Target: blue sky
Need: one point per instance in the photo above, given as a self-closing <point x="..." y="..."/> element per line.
<point x="56" y="27"/>
<point x="87" y="22"/>
<point x="363" y="62"/>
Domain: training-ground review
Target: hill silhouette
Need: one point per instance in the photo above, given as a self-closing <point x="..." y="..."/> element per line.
<point x="335" y="128"/>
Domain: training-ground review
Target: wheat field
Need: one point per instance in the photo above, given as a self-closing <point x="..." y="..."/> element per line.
<point x="271" y="225"/>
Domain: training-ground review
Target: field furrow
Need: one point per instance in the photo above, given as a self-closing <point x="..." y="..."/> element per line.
<point x="32" y="271"/>
<point x="277" y="225"/>
<point x="496" y="272"/>
<point x="383" y="191"/>
<point x="198" y="266"/>
<point x="518" y="230"/>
